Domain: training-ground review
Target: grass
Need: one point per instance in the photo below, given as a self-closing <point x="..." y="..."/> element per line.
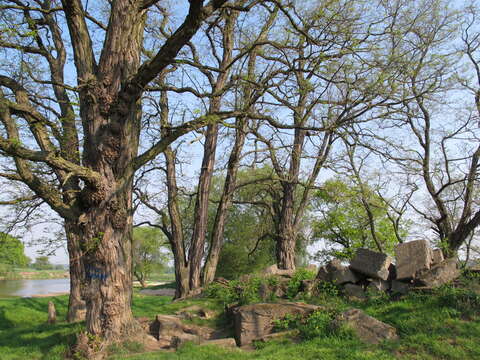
<point x="445" y="325"/>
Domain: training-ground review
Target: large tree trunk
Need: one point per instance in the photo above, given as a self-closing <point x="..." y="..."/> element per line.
<point x="107" y="247"/>
<point x="76" y="302"/>
<point x="286" y="234"/>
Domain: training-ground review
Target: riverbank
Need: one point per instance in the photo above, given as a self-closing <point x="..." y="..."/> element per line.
<point x="31" y="274"/>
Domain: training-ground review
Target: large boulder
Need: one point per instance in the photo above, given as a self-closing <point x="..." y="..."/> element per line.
<point x="170" y="331"/>
<point x="438" y="275"/>
<point x="337" y="273"/>
<point x="371" y="263"/>
<point x="367" y="328"/>
<point x="254" y="321"/>
<point x="412" y="257"/>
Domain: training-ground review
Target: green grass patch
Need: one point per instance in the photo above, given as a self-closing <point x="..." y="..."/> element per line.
<point x="443" y="325"/>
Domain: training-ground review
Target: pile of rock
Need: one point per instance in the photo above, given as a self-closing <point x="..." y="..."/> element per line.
<point x="417" y="266"/>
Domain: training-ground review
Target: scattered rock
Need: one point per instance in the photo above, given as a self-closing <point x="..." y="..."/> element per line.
<point x="412" y="257"/>
<point x="340" y="274"/>
<point x="279" y="335"/>
<point x="367" y="328"/>
<point x="264" y="292"/>
<point x="308" y="287"/>
<point x="226" y="342"/>
<point x="378" y="285"/>
<point x="437" y="256"/>
<point x="170" y="331"/>
<point x="438" y="275"/>
<point x="354" y="292"/>
<point x="473" y="269"/>
<point x="322" y="274"/>
<point x="274" y="270"/>
<point x="254" y="321"/>
<point x="371" y="263"/>
<point x="196" y="311"/>
<point x="400" y="287"/>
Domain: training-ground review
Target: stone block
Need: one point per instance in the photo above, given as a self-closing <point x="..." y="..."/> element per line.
<point x="367" y="328"/>
<point x="412" y="257"/>
<point x="254" y="321"/>
<point x="371" y="263"/>
<point x="438" y="275"/>
<point x="343" y="276"/>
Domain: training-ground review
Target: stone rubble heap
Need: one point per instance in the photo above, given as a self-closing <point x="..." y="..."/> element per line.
<point x="416" y="266"/>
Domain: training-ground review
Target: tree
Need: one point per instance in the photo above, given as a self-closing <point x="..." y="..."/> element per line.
<point x="84" y="169"/>
<point x="147" y="252"/>
<point x="328" y="79"/>
<point x="43" y="263"/>
<point x="195" y="264"/>
<point x="12" y="251"/>
<point x="343" y="220"/>
<point x="439" y="152"/>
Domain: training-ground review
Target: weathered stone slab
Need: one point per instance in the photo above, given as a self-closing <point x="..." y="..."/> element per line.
<point x="367" y="328"/>
<point x="343" y="276"/>
<point x="371" y="263"/>
<point x="354" y="292"/>
<point x="412" y="257"/>
<point x="437" y="256"/>
<point x="438" y="275"/>
<point x="254" y="321"/>
<point x="171" y="331"/>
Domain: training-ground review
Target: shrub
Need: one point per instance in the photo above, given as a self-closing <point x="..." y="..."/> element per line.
<point x="463" y="301"/>
<point x="296" y="281"/>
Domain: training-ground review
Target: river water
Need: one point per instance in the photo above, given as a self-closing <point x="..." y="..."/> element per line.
<point x="27" y="288"/>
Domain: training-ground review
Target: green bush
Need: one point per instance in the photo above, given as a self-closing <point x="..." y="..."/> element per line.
<point x="296" y="281"/>
<point x="462" y="301"/>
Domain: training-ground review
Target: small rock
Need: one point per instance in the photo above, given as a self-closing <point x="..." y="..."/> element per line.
<point x="225" y="343"/>
<point x="322" y="274"/>
<point x="378" y="285"/>
<point x="371" y="263"/>
<point x="367" y="328"/>
<point x="400" y="287"/>
<point x="438" y="275"/>
<point x="412" y="257"/>
<point x="274" y="270"/>
<point x="355" y="292"/>
<point x="308" y="287"/>
<point x="343" y="276"/>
